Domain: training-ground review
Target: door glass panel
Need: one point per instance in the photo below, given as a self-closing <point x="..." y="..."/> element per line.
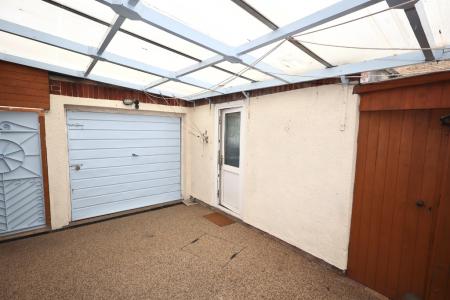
<point x="232" y="138"/>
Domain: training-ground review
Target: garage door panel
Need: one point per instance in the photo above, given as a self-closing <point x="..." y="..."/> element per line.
<point x="123" y="125"/>
<point x="81" y="154"/>
<point x="107" y="116"/>
<point x="123" y="135"/>
<point x="124" y="170"/>
<point x="98" y="210"/>
<point x="120" y="144"/>
<point x="113" y="180"/>
<point x="111" y="197"/>
<point x="124" y="187"/>
<point x="129" y="161"/>
<point x="122" y="161"/>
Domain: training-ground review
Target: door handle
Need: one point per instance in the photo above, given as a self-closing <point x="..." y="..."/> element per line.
<point x="77" y="167"/>
<point x="420" y="203"/>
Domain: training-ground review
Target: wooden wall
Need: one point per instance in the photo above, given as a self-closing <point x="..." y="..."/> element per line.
<point x="22" y="86"/>
<point x="397" y="244"/>
<point x="430" y="91"/>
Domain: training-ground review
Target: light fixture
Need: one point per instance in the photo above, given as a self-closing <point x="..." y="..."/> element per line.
<point x="130" y="102"/>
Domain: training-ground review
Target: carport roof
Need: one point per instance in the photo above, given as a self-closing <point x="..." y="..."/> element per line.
<point x="202" y="48"/>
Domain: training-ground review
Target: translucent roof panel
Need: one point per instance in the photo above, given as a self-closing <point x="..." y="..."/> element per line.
<point x="236" y="68"/>
<point x="214" y="77"/>
<point x="154" y="34"/>
<point x="220" y="19"/>
<point x="283" y="12"/>
<point x="91" y="8"/>
<point x="128" y="46"/>
<point x="178" y="88"/>
<point x="17" y="46"/>
<point x="42" y="16"/>
<point x="113" y="71"/>
<point x="287" y="58"/>
<point x="437" y="13"/>
<point x="389" y="29"/>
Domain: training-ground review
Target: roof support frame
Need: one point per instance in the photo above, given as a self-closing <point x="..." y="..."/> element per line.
<point x="134" y="9"/>
<point x="332" y="12"/>
<point x="337" y="10"/>
<point x="150" y="16"/>
<point x="394" y="61"/>
<point x="112" y="30"/>
<point x="416" y="25"/>
<point x="69" y="45"/>
<point x="74" y="73"/>
<point x="165" y="47"/>
<point x="263" y="19"/>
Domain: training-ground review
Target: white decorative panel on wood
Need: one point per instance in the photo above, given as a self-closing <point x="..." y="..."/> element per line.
<point x="120" y="162"/>
<point x="21" y="190"/>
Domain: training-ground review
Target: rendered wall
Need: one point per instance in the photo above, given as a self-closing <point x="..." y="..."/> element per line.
<point x="57" y="151"/>
<point x="300" y="150"/>
<point x="298" y="163"/>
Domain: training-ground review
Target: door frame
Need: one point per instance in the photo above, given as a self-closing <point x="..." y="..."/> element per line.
<point x="216" y="170"/>
<point x="44" y="166"/>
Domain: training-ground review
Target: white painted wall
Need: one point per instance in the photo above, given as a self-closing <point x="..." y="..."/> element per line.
<point x="298" y="167"/>
<point x="57" y="151"/>
<point x="298" y="163"/>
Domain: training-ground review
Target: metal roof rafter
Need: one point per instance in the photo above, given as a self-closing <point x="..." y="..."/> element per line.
<point x="416" y="25"/>
<point x="81" y="14"/>
<point x="75" y="47"/>
<point x="332" y="12"/>
<point x="150" y="16"/>
<point x="75" y="73"/>
<point x="112" y="30"/>
<point x="263" y="19"/>
<point x="394" y="61"/>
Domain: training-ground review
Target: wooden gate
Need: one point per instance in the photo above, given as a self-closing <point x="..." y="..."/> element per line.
<point x="400" y="232"/>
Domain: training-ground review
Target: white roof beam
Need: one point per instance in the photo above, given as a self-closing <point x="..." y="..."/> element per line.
<point x="325" y="15"/>
<point x="150" y="16"/>
<point x="394" y="61"/>
<point x="263" y="19"/>
<point x="74" y="73"/>
<point x="65" y="44"/>
<point x="140" y="11"/>
<point x="112" y="30"/>
<point x="337" y="10"/>
<point x="165" y="47"/>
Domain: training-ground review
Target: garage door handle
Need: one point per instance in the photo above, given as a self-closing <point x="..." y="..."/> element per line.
<point x="76" y="167"/>
<point x="134" y="155"/>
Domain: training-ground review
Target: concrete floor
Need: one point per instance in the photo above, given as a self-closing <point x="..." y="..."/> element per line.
<point x="151" y="256"/>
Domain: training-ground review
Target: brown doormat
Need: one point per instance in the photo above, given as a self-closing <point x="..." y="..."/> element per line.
<point x="219" y="219"/>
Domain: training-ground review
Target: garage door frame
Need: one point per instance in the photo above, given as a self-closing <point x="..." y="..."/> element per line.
<point x="89" y="109"/>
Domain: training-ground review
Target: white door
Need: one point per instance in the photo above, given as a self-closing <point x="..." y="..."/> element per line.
<point x="230" y="162"/>
<point x="21" y="188"/>
<point x="120" y="162"/>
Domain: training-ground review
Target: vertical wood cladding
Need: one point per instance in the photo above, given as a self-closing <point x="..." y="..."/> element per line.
<point x="22" y="86"/>
<point x="400" y="230"/>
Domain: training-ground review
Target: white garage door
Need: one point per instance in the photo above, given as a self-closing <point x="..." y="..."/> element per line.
<point x="122" y="161"/>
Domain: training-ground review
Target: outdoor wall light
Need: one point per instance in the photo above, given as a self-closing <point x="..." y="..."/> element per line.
<point x="130" y="102"/>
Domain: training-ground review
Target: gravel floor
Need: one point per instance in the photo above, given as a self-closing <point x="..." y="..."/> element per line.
<point x="167" y="253"/>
